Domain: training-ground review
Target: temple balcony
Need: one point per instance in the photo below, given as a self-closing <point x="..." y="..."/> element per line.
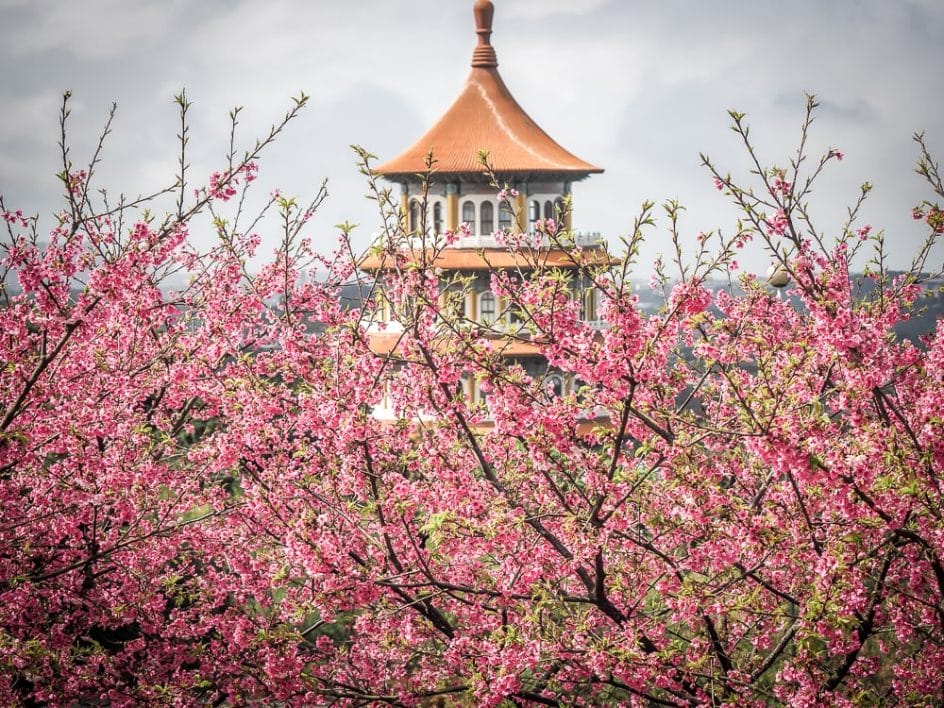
<point x="581" y="239"/>
<point x="499" y="327"/>
<point x="597" y="325"/>
<point x="389" y="326"/>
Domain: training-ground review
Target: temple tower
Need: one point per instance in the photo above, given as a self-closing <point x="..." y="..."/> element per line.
<point x="486" y="118"/>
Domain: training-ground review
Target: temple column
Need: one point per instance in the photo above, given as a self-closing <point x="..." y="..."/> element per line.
<point x="521" y="207"/>
<point x="452" y="206"/>
<point x="404" y="207"/>
<point x="568" y="217"/>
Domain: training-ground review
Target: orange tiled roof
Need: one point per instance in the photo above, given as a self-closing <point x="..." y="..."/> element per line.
<point x="486" y="116"/>
<point x="494" y="258"/>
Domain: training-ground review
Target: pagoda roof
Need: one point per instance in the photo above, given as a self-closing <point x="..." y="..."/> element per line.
<point x="486" y="117"/>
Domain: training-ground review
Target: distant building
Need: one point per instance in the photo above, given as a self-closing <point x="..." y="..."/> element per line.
<point x="486" y="117"/>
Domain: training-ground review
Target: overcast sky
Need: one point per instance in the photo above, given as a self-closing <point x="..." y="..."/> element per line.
<point x="639" y="88"/>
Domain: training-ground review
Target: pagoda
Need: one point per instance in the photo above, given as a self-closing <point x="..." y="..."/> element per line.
<point x="446" y="189"/>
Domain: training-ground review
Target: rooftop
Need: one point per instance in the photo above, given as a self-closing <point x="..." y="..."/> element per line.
<point x="487" y="117"/>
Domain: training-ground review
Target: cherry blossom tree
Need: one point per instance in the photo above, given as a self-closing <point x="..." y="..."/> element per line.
<point x="741" y="501"/>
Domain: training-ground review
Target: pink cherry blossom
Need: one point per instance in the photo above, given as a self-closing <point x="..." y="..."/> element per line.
<point x="734" y="498"/>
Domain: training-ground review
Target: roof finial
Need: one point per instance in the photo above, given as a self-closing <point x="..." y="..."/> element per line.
<point x="484" y="54"/>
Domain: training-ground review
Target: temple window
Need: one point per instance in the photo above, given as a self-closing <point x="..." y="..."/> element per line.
<point x="468" y="215"/>
<point x="514" y="318"/>
<point x="487" y="308"/>
<point x="549" y="210"/>
<point x="437" y="218"/>
<point x="478" y="395"/>
<point x="488" y="219"/>
<point x="554" y="386"/>
<point x="504" y="216"/>
<point x="415" y="220"/>
<point x="382" y="305"/>
<point x="534" y="212"/>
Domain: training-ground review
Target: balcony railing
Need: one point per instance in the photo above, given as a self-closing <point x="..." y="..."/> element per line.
<point x="385" y="412"/>
<point x="478" y="242"/>
<point x="588" y="239"/>
<point x="391" y="326"/>
<point x="597" y="325"/>
<point x="581" y="239"/>
<point x="499" y="327"/>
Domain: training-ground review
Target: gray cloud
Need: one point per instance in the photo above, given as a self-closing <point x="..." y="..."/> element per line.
<point x="94" y="29"/>
<point x="858" y="110"/>
<point x="640" y="88"/>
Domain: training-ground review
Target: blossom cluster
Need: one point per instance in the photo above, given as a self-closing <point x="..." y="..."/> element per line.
<point x="222" y="184"/>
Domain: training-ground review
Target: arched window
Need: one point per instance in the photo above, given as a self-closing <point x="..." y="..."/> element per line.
<point x="437" y="218"/>
<point x="514" y="318"/>
<point x="554" y="386"/>
<point x="488" y="219"/>
<point x="487" y="308"/>
<point x="549" y="210"/>
<point x="504" y="216"/>
<point x="382" y="305"/>
<point x="468" y="215"/>
<point x="534" y="212"/>
<point x="478" y="395"/>
<point x="415" y="220"/>
<point x="454" y="301"/>
<point x="582" y="390"/>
